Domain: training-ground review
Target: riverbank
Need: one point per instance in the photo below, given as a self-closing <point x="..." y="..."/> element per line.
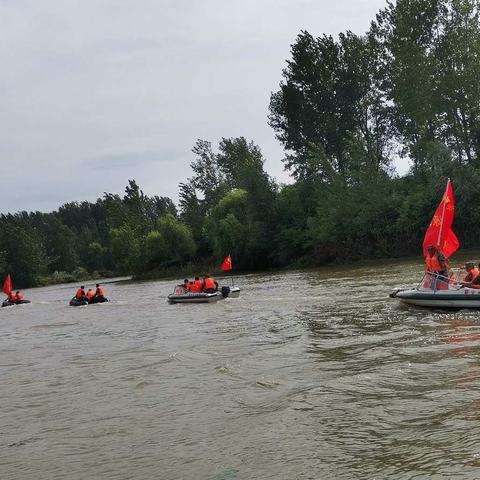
<point x="190" y="270"/>
<point x="78" y="275"/>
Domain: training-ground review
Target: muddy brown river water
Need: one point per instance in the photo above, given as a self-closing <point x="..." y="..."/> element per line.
<point x="308" y="375"/>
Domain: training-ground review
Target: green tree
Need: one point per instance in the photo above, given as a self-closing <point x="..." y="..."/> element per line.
<point x="171" y="242"/>
<point x="126" y="250"/>
<point x="330" y="97"/>
<point x="25" y="259"/>
<point x="232" y="230"/>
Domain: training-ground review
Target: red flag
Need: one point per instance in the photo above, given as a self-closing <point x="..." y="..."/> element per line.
<point x="439" y="232"/>
<point x="7" y="286"/>
<point x="227" y="263"/>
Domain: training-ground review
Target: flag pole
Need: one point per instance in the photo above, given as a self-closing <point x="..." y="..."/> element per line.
<point x="231" y="270"/>
<point x="443" y="214"/>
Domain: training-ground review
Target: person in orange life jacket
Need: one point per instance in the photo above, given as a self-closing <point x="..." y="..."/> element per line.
<point x="12" y="297"/>
<point x="80" y="295"/>
<point x="436" y="262"/>
<point x="473" y="275"/>
<point x="198" y="284"/>
<point x="19" y="295"/>
<point x="186" y="285"/>
<point x="209" y="284"/>
<point x="99" y="292"/>
<point x="90" y="294"/>
<point x="476" y="281"/>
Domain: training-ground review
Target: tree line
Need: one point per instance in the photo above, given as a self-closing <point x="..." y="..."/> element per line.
<point x="346" y="109"/>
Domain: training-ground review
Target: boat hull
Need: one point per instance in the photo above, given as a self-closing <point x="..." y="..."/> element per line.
<point x="7" y="303"/>
<point x="462" y="298"/>
<point x="80" y="303"/>
<point x="196" y="297"/>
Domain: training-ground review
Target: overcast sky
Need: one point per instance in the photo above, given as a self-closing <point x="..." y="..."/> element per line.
<point x="94" y="92"/>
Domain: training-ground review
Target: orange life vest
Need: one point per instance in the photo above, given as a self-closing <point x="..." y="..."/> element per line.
<point x="209" y="284"/>
<point x="195" y="287"/>
<point x="19" y="296"/>
<point x="80" y="294"/>
<point x="90" y="294"/>
<point x="12" y="297"/>
<point x="433" y="265"/>
<point x="99" y="292"/>
<point x="473" y="274"/>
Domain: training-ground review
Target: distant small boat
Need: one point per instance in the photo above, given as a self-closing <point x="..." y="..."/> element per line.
<point x="8" y="290"/>
<point x="8" y="303"/>
<point x="181" y="295"/>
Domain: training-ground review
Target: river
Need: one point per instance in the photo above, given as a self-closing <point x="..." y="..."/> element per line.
<point x="308" y="375"/>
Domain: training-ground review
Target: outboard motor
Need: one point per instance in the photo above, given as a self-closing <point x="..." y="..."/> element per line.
<point x="225" y="292"/>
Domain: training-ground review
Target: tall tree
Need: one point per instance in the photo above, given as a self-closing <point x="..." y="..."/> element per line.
<point x="329" y="98"/>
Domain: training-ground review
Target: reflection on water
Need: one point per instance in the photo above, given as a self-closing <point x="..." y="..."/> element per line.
<point x="308" y="375"/>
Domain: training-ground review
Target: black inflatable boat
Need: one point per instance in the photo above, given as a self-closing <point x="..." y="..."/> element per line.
<point x="8" y="303"/>
<point x="78" y="303"/>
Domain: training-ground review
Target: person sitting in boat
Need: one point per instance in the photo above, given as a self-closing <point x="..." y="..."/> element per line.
<point x="209" y="284"/>
<point x="12" y="297"/>
<point x="80" y="295"/>
<point x="19" y="295"/>
<point x="90" y="294"/>
<point x="186" y="284"/>
<point x="436" y="261"/>
<point x="99" y="291"/>
<point x="472" y="278"/>
<point x="198" y="285"/>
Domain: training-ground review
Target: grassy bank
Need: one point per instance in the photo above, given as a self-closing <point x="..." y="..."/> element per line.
<point x="77" y="276"/>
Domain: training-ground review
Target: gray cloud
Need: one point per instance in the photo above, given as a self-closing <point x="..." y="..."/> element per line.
<point x="98" y="91"/>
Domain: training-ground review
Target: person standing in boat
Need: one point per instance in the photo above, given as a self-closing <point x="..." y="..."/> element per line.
<point x="436" y="264"/>
<point x="209" y="284"/>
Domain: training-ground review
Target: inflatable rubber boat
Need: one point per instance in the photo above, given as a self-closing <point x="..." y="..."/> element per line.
<point x="79" y="303"/>
<point x="8" y="303"/>
<point x="181" y="295"/>
<point x="439" y="292"/>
